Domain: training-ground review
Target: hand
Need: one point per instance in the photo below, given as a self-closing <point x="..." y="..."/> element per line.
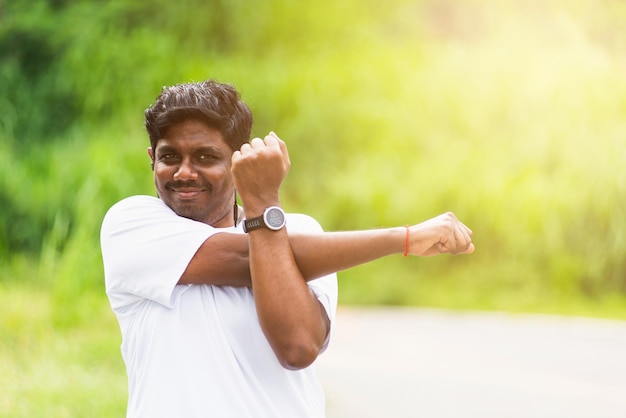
<point x="443" y="234"/>
<point x="258" y="170"/>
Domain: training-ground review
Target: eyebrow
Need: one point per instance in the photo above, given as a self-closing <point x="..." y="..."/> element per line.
<point x="203" y="149"/>
<point x="164" y="148"/>
<point x="210" y="149"/>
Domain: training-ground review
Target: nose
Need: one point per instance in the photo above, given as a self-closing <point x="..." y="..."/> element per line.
<point x="186" y="171"/>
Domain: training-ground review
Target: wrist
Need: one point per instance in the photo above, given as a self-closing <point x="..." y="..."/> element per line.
<point x="407" y="233"/>
<point x="255" y="205"/>
<point x="255" y="211"/>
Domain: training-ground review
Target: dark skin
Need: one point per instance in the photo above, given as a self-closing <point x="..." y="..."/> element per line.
<point x="192" y="166"/>
<point x="196" y="174"/>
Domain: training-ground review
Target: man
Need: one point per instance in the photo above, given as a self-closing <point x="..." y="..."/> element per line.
<point x="223" y="309"/>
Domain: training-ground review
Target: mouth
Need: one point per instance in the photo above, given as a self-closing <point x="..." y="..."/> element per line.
<point x="187" y="193"/>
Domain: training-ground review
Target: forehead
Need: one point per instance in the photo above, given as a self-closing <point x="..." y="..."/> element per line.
<point x="192" y="133"/>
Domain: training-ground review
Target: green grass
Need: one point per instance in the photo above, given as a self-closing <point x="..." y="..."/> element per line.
<point x="58" y="371"/>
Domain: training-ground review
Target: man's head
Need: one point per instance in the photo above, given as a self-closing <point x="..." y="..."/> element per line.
<point x="215" y="104"/>
<point x="194" y="129"/>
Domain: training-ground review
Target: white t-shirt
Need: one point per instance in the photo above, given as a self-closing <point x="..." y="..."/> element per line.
<point x="196" y="350"/>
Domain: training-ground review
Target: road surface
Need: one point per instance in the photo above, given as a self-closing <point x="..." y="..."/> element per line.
<point x="399" y="362"/>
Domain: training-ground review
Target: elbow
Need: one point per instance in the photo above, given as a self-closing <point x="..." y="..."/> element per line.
<point x="298" y="356"/>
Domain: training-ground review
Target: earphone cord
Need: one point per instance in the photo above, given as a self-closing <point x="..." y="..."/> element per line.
<point x="235" y="210"/>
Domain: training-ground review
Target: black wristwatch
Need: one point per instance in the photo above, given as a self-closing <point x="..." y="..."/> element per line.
<point x="273" y="218"/>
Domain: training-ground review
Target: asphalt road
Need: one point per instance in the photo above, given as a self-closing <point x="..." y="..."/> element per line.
<point x="388" y="363"/>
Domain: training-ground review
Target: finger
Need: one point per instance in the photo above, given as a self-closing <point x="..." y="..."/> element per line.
<point x="285" y="152"/>
<point x="273" y="135"/>
<point x="468" y="230"/>
<point x="470" y="249"/>
<point x="458" y="243"/>
<point x="255" y="143"/>
<point x="245" y="149"/>
<point x="447" y="242"/>
<point x="463" y="235"/>
<point x="236" y="156"/>
<point x="452" y="243"/>
<point x="271" y="140"/>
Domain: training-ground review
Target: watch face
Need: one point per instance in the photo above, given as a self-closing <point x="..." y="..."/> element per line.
<point x="275" y="218"/>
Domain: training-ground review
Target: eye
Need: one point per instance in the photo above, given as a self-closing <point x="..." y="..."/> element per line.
<point x="206" y="158"/>
<point x="168" y="157"/>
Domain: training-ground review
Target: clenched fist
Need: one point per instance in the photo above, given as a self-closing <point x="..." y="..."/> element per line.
<point x="443" y="234"/>
<point x="258" y="170"/>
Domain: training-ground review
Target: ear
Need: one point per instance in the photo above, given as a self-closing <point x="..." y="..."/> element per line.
<point x="151" y="155"/>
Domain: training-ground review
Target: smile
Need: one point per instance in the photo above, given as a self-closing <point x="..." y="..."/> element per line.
<point x="187" y="194"/>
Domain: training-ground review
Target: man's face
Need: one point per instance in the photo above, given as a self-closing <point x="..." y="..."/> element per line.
<point x="192" y="173"/>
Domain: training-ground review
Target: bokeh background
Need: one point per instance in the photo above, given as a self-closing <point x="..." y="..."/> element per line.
<point x="511" y="114"/>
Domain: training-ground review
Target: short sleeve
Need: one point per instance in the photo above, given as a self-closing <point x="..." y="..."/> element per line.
<point x="146" y="248"/>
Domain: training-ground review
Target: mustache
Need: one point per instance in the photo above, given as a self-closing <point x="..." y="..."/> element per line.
<point x="186" y="185"/>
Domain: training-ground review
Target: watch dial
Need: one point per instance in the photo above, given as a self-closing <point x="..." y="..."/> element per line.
<point x="275" y="218"/>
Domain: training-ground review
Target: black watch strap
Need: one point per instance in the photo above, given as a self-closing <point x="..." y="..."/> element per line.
<point x="252" y="224"/>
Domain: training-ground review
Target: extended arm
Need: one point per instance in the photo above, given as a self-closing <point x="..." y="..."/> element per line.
<point x="223" y="258"/>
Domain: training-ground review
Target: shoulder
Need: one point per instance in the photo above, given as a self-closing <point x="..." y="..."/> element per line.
<point x="136" y="210"/>
<point x="140" y="205"/>
<point x="303" y="223"/>
<point x="140" y="201"/>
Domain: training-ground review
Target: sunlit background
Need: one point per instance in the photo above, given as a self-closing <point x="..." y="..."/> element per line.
<point x="512" y="114"/>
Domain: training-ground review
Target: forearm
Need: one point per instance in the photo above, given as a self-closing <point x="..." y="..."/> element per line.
<point x="329" y="252"/>
<point x="290" y="315"/>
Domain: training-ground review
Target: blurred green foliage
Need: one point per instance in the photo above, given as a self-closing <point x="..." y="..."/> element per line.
<point x="509" y="114"/>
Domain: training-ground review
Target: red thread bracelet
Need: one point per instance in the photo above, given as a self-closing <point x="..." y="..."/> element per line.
<point x="406" y="242"/>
